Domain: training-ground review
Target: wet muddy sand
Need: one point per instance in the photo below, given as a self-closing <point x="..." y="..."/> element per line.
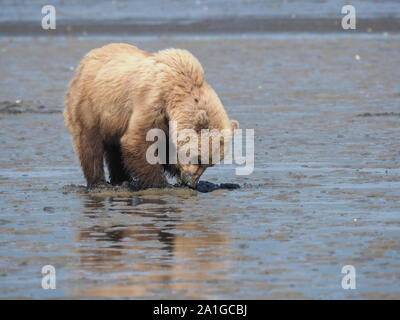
<point x="324" y="192"/>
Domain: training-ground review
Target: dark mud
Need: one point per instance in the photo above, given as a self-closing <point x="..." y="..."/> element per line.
<point x="380" y="114"/>
<point x="19" y="106"/>
<point x="218" y="25"/>
<point x="126" y="187"/>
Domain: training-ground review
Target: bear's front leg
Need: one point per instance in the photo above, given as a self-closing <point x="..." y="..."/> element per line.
<point x="134" y="147"/>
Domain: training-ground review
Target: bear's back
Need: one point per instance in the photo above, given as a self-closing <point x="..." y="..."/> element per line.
<point x="109" y="52"/>
<point x="92" y="91"/>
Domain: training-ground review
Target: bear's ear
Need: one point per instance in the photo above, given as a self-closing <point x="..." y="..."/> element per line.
<point x="201" y="120"/>
<point x="234" y="124"/>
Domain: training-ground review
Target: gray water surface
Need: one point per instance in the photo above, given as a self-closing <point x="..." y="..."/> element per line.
<point x="161" y="10"/>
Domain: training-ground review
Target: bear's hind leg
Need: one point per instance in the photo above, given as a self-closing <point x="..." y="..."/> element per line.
<point x="115" y="164"/>
<point x="90" y="151"/>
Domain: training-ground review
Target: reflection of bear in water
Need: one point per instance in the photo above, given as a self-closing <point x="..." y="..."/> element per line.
<point x="165" y="249"/>
<point x="119" y="93"/>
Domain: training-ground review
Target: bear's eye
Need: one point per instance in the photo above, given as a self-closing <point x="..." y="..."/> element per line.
<point x="196" y="100"/>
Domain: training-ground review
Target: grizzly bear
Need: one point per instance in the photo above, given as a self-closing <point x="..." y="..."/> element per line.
<point x="119" y="93"/>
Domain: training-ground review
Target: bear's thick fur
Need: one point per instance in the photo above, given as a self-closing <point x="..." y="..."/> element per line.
<point x="119" y="92"/>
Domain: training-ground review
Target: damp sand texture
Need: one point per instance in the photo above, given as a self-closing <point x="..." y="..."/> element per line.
<point x="324" y="192"/>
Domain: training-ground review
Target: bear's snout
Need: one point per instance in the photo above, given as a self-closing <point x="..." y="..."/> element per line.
<point x="189" y="180"/>
<point x="190" y="174"/>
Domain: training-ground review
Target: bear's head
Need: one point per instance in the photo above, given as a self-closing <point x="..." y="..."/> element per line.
<point x="203" y="141"/>
<point x="206" y="148"/>
<point x="201" y="125"/>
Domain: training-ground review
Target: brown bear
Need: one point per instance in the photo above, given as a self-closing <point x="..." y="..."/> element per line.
<point x="119" y="93"/>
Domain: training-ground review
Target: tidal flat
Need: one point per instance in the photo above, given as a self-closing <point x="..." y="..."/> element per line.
<point x="324" y="192"/>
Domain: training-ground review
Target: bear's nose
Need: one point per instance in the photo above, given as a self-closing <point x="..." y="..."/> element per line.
<point x="188" y="180"/>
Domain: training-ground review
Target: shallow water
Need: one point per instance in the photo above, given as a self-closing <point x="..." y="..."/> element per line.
<point x="324" y="192"/>
<point x="159" y="11"/>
